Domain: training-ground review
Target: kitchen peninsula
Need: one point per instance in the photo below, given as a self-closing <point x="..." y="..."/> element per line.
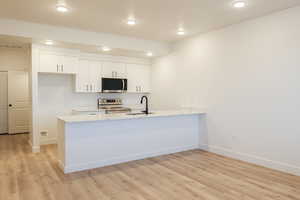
<point x="91" y="141"/>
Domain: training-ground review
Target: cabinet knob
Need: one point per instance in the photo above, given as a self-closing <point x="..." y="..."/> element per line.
<point x="10" y="105"/>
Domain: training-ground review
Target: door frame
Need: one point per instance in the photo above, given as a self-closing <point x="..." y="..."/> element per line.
<point x="4" y="71"/>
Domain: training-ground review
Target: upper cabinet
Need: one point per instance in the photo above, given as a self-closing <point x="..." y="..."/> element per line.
<point x="56" y="63"/>
<point x="138" y="78"/>
<point x="70" y="64"/>
<point x="114" y="70"/>
<point x="90" y="69"/>
<point x="88" y="78"/>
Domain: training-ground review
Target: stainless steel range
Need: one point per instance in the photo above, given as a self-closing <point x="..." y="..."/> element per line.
<point x="111" y="106"/>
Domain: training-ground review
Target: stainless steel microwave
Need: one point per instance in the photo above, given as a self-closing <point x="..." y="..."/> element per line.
<point x="114" y="85"/>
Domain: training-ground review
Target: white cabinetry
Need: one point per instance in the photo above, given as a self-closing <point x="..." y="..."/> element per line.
<point x="58" y="63"/>
<point x="90" y="69"/>
<point x="138" y="78"/>
<point x="88" y="78"/>
<point x="70" y="64"/>
<point x="114" y="70"/>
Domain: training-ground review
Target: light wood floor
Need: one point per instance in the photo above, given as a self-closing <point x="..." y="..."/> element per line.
<point x="183" y="176"/>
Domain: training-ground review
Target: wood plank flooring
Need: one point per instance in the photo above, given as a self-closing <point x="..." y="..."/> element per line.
<point x="183" y="176"/>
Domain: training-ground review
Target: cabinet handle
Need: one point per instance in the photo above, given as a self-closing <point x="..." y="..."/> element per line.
<point x="136" y="88"/>
<point x="116" y="74"/>
<point x="57" y="68"/>
<point x="62" y="68"/>
<point x="91" y="87"/>
<point x="140" y="88"/>
<point x="87" y="87"/>
<point x="112" y="74"/>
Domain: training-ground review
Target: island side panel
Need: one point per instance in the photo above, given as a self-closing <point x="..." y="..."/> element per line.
<point x="61" y="143"/>
<point x="96" y="144"/>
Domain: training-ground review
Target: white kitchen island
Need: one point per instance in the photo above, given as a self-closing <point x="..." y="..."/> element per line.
<point x="92" y="141"/>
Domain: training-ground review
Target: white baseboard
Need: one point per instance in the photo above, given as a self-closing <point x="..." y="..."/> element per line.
<point x="35" y="149"/>
<point x="113" y="161"/>
<point x="253" y="159"/>
<point x="48" y="141"/>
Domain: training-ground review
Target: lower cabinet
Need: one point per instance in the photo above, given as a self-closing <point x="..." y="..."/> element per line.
<point x="138" y="78"/>
<point x="88" y="78"/>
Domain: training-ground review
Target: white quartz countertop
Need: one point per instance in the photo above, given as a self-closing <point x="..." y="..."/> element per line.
<point x="123" y="116"/>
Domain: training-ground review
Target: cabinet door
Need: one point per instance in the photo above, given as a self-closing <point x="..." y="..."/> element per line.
<point x="133" y="74"/>
<point x="145" y="78"/>
<point x="82" y="77"/>
<point x="49" y="63"/>
<point x="54" y="63"/>
<point x="138" y="78"/>
<point x="113" y="70"/>
<point x="95" y="76"/>
<point x="69" y="64"/>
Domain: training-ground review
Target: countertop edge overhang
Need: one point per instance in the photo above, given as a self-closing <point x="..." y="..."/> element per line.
<point x="123" y="116"/>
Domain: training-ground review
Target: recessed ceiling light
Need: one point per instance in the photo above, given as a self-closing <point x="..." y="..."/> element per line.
<point x="61" y="6"/>
<point x="106" y="49"/>
<point x="180" y="32"/>
<point x="239" y="4"/>
<point x="131" y="22"/>
<point x="149" y="54"/>
<point x="49" y="42"/>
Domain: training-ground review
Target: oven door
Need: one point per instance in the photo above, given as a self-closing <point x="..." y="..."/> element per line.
<point x="114" y="85"/>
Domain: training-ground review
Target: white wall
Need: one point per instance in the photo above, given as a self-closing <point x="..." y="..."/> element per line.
<point x="247" y="77"/>
<point x="14" y="59"/>
<point x="56" y="97"/>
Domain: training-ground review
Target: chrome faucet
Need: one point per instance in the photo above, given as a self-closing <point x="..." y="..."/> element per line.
<point x="147" y="108"/>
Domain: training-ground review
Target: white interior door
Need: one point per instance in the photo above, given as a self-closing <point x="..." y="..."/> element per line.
<point x="3" y="103"/>
<point x="18" y="102"/>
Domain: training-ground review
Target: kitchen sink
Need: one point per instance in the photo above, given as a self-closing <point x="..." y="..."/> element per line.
<point x="139" y="113"/>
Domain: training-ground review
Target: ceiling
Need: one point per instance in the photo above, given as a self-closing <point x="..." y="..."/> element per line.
<point x="157" y="19"/>
<point x="15" y="42"/>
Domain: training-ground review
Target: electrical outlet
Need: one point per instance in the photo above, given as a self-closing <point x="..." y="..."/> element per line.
<point x="44" y="133"/>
